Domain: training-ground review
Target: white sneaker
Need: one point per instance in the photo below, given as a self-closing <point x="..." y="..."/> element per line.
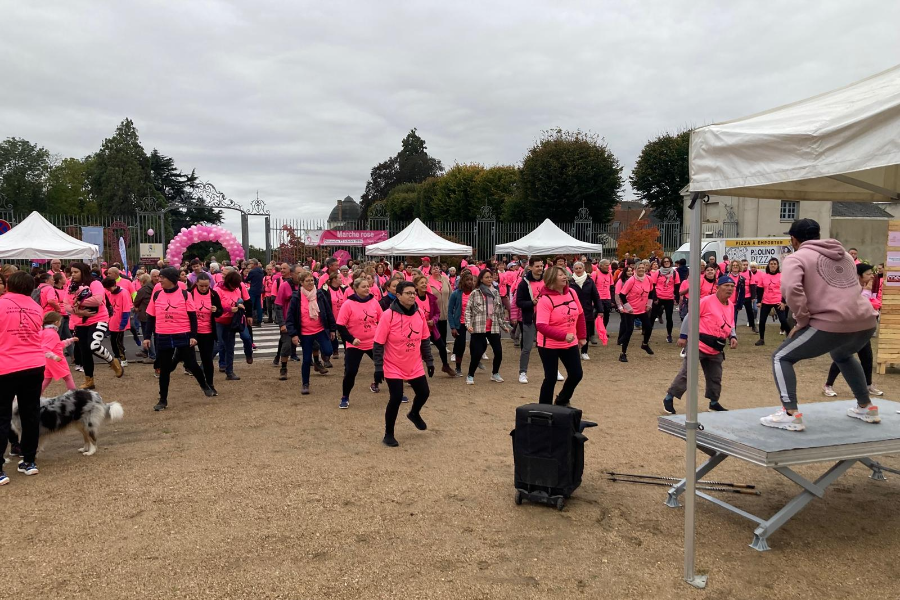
<point x="683" y="353"/>
<point x="470" y="380"/>
<point x="868" y="414"/>
<point x="496" y="377"/>
<point x="523" y="377"/>
<point x="782" y="420"/>
<point x="124" y="363"/>
<point x="79" y="368"/>
<point x="484" y="356"/>
<point x="829" y="391"/>
<point x="559" y="376"/>
<point x="584" y="356"/>
<point x="875" y="391"/>
<point x="452" y="358"/>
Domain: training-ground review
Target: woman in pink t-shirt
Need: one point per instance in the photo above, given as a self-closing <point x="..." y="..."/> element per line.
<point x="232" y="295"/>
<point x="428" y="302"/>
<point x="309" y="321"/>
<point x="401" y="344"/>
<point x="561" y="331"/>
<point x="87" y="307"/>
<point x="207" y="304"/>
<point x="172" y="317"/>
<point x="772" y="300"/>
<point x="21" y="367"/>
<point x="356" y="323"/>
<point x="120" y="301"/>
<point x="456" y="315"/>
<point x="666" y="282"/>
<point x="337" y="294"/>
<point x="56" y="366"/>
<point x="636" y="297"/>
<point x="439" y="285"/>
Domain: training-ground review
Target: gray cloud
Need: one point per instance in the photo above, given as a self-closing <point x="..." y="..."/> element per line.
<point x="300" y="99"/>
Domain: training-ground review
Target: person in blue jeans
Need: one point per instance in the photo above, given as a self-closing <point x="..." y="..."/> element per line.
<point x="310" y="319"/>
<point x="255" y="281"/>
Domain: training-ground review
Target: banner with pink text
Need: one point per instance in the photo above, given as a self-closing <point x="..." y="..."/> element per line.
<point x="341" y="237"/>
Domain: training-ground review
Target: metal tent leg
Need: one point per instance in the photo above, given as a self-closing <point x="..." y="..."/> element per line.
<point x="811" y="491"/>
<point x="878" y="469"/>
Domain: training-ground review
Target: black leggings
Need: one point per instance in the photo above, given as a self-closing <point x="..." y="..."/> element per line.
<point x="442" y="329"/>
<point x="395" y="387"/>
<point x="206" y="344"/>
<point x="865" y="359"/>
<point x="550" y="358"/>
<point x="667" y="307"/>
<point x="352" y="359"/>
<point x="26" y="387"/>
<point x="442" y="348"/>
<point x="764" y="311"/>
<point x="477" y="347"/>
<point x="90" y="343"/>
<point x="591" y="331"/>
<point x="626" y="328"/>
<point x="607" y="308"/>
<point x="459" y="344"/>
<point x="168" y="359"/>
<point x="751" y="316"/>
<point x="117" y="341"/>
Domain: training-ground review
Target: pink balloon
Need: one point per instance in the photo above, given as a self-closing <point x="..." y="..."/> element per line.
<point x="150" y="232"/>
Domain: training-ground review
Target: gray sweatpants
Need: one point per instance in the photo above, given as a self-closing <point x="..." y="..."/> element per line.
<point x="529" y="336"/>
<point x="712" y="371"/>
<point x="810" y="343"/>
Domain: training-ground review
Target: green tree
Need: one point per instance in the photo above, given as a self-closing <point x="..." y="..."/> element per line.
<point x="175" y="186"/>
<point x="68" y="189"/>
<point x="402" y="203"/>
<point x="411" y="165"/>
<point x="566" y="170"/>
<point x="661" y="172"/>
<point x="120" y="172"/>
<point x="23" y="172"/>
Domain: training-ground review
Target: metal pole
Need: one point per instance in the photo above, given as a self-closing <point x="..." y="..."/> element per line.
<point x="245" y="234"/>
<point x="690" y="419"/>
<point x="268" y="242"/>
<point x="162" y="231"/>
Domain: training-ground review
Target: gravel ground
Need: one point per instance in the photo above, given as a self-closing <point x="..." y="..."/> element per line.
<point x="263" y="493"/>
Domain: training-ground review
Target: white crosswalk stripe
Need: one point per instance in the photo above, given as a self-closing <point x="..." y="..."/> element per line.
<point x="266" y="339"/>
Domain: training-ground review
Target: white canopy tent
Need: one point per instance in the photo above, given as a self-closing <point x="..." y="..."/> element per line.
<point x="418" y="240"/>
<point x="36" y="237"/>
<point x="842" y="145"/>
<point x="548" y="239"/>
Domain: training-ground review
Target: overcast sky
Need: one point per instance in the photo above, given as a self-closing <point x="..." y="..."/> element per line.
<point x="299" y="100"/>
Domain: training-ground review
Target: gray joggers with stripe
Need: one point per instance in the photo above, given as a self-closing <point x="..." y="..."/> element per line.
<point x="810" y="343"/>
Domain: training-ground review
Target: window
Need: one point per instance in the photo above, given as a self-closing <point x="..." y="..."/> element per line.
<point x="788" y="210"/>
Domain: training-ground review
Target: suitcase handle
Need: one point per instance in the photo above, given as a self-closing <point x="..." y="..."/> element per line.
<point x="540" y="419"/>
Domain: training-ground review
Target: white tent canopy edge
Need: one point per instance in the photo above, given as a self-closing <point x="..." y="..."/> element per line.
<point x="547" y="238"/>
<point x="418" y="240"/>
<point x="36" y="237"/>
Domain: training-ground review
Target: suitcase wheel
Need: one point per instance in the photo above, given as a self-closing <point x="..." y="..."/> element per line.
<point x="560" y="503"/>
<point x="518" y="497"/>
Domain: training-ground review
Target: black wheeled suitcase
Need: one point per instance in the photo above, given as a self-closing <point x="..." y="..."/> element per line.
<point x="548" y="450"/>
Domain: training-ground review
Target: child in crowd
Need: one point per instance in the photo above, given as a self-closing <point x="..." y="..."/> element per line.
<point x="56" y="367"/>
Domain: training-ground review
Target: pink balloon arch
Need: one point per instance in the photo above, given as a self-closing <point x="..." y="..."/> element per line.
<point x="203" y="233"/>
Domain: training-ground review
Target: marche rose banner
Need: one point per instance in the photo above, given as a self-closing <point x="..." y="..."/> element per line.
<point x="344" y="237"/>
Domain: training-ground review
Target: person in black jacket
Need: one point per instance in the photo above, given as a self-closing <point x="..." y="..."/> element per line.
<point x="309" y="319"/>
<point x="589" y="297"/>
<point x="526" y="299"/>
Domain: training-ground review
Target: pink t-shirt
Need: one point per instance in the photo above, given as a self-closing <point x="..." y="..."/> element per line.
<point x="283" y="297"/>
<point x="338" y="297"/>
<point x="158" y="287"/>
<point x="171" y="311"/>
<point x="401" y="337"/>
<point x="665" y="286"/>
<point x="51" y="294"/>
<point x="97" y="292"/>
<point x="307" y="325"/>
<point x="50" y="342"/>
<point x="603" y="281"/>
<point x="361" y="320"/>
<point x="748" y="281"/>
<point x="425" y="307"/>
<point x="771" y="288"/>
<point x="121" y="304"/>
<point x="21" y="321"/>
<point x="203" y="306"/>
<point x="465" y="302"/>
<point x="736" y="279"/>
<point x="229" y="298"/>
<point x="716" y="319"/>
<point x="637" y="292"/>
<point x="560" y="311"/>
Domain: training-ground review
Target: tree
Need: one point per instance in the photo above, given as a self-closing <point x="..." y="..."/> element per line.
<point x="174" y="186"/>
<point x="68" y="189"/>
<point x="639" y="239"/>
<point x="120" y="172"/>
<point x="661" y="172"/>
<point x="402" y="203"/>
<point x="566" y="170"/>
<point x="23" y="171"/>
<point x="411" y="165"/>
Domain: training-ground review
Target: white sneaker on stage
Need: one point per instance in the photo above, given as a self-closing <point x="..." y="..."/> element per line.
<point x="868" y="414"/>
<point x="523" y="378"/>
<point x="829" y="391"/>
<point x="782" y="420"/>
<point x="559" y="376"/>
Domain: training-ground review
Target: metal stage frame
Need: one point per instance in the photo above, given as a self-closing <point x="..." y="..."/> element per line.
<point x="830" y="436"/>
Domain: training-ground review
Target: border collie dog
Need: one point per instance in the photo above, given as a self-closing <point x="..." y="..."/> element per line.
<point x="82" y="409"/>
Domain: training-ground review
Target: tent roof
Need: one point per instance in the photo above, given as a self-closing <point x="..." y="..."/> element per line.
<point x="36" y="237"/>
<point x="841" y="146"/>
<point x="547" y="239"/>
<point x="417" y="240"/>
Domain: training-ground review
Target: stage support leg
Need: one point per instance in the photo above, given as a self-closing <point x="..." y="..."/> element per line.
<point x="715" y="459"/>
<point x="878" y="469"/>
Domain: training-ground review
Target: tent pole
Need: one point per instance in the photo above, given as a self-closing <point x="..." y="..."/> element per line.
<point x="690" y="419"/>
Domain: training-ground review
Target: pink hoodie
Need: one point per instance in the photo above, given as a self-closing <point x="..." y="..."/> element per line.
<point x="820" y="286"/>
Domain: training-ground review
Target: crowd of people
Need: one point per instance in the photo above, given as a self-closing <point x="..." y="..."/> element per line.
<point x="193" y="314"/>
